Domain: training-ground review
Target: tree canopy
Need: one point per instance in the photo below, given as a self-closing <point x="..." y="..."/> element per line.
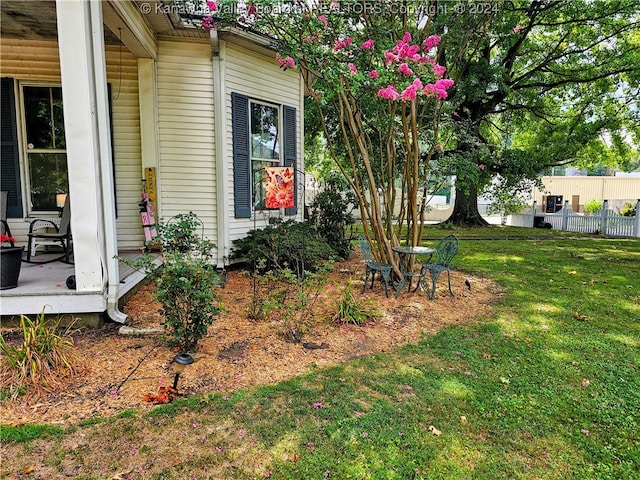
<point x="541" y="85"/>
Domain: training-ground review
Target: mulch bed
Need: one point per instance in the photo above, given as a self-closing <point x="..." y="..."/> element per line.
<point x="118" y="370"/>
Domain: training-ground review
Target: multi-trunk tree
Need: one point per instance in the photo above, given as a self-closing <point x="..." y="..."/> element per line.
<point x="371" y="71"/>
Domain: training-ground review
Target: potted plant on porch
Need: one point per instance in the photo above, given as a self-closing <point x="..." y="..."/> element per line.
<point x="10" y="261"/>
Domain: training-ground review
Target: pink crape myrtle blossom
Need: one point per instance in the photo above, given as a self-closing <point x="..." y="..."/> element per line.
<point x="412" y="90"/>
<point x="405" y="70"/>
<point x="517" y="29"/>
<point x="366" y="45"/>
<point x="444" y="83"/>
<point x="324" y="20"/>
<point x="413" y="51"/>
<point x="207" y="23"/>
<point x="439" y="147"/>
<point x="353" y="69"/>
<point x="342" y="44"/>
<point x="406" y="38"/>
<point x="439" y="70"/>
<point x="430" y="42"/>
<point x="212" y="6"/>
<point x="439" y="89"/>
<point x="429" y="90"/>
<point x="285" y="62"/>
<point x="334" y="5"/>
<point x="409" y="93"/>
<point x="251" y="10"/>
<point x="481" y="166"/>
<point x="402" y="50"/>
<point x="441" y="94"/>
<point x="373" y="74"/>
<point x="389" y="58"/>
<point x="390" y="93"/>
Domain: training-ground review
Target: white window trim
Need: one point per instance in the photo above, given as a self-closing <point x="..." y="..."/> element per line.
<point x="256" y="211"/>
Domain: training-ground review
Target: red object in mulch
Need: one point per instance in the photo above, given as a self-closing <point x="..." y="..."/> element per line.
<point x="165" y="395"/>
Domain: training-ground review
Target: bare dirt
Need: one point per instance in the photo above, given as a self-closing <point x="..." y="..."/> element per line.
<point x="118" y="370"/>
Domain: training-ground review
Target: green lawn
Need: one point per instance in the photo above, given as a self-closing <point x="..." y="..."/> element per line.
<point x="549" y="384"/>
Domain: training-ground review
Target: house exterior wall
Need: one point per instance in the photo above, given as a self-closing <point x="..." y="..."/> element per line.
<point x="589" y="188"/>
<point x="39" y="61"/>
<point x="186" y="173"/>
<point x="260" y="78"/>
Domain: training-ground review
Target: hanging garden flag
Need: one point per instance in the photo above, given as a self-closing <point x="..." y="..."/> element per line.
<point x="279" y="185"/>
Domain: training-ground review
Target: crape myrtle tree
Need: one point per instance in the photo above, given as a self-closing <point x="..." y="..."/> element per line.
<point x="537" y="84"/>
<point x="370" y="70"/>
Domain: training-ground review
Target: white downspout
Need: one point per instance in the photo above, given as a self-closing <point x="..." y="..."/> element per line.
<point x="219" y="125"/>
<point x="106" y="172"/>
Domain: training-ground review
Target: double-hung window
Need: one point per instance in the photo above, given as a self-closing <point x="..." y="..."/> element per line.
<point x="264" y="135"/>
<point x="45" y="146"/>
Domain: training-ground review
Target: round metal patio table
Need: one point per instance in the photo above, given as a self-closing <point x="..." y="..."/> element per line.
<point x="407" y="260"/>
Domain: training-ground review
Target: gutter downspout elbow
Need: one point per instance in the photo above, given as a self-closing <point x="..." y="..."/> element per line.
<point x="113" y="310"/>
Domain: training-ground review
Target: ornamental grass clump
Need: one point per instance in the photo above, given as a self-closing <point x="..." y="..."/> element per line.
<point x="45" y="358"/>
<point x="185" y="280"/>
<point x="353" y="309"/>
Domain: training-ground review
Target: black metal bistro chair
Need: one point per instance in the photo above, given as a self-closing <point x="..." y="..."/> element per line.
<point x="446" y="249"/>
<point x="40" y="234"/>
<point x="372" y="266"/>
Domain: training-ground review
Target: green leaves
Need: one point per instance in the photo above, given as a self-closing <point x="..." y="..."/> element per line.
<point x="186" y="279"/>
<point x="41" y="361"/>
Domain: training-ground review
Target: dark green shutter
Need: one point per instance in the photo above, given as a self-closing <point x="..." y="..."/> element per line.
<point x="291" y="151"/>
<point x="241" y="155"/>
<point x="9" y="160"/>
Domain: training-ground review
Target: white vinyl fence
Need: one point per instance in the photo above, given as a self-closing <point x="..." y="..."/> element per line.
<point x="605" y="221"/>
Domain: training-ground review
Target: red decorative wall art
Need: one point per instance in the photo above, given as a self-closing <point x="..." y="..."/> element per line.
<point x="280" y="187"/>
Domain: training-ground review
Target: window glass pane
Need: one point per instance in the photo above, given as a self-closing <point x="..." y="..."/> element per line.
<point x="48" y="174"/>
<point x="38" y="121"/>
<point x="58" y="120"/>
<point x="259" y="184"/>
<point x="264" y="132"/>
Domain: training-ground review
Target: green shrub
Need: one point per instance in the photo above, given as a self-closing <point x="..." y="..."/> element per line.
<point x="629" y="209"/>
<point x="592" y="206"/>
<point x="284" y="245"/>
<point x="185" y="281"/>
<point x="446" y="225"/>
<point x="353" y="309"/>
<point x="331" y="212"/>
<point x="46" y="356"/>
<point x="286" y="300"/>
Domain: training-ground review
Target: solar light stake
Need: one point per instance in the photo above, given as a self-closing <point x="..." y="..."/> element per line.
<point x="179" y="362"/>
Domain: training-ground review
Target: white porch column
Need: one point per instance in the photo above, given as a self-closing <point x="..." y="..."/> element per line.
<point x="77" y="55"/>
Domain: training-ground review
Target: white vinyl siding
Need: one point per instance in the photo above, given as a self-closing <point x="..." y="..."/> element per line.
<point x="260" y="78"/>
<point x="39" y="61"/>
<point x="187" y="178"/>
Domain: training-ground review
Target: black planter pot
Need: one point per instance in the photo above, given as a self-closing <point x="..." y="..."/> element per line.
<point x="10" y="261"/>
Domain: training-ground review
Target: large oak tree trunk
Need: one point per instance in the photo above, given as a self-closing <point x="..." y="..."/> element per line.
<point x="465" y="209"/>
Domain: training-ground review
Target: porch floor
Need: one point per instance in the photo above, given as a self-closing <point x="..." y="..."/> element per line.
<point x="44" y="286"/>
